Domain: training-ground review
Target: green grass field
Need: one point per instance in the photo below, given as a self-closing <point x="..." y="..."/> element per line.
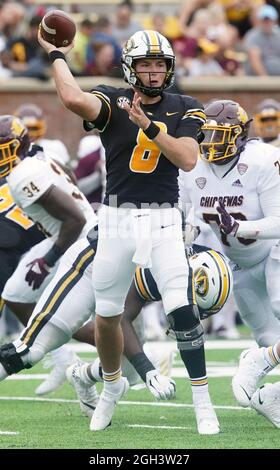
<point x="55" y="422"/>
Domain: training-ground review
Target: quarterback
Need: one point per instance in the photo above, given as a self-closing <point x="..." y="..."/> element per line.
<point x="147" y="135"/>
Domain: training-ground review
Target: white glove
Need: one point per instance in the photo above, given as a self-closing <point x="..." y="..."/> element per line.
<point x="190" y="233"/>
<point x="160" y="386"/>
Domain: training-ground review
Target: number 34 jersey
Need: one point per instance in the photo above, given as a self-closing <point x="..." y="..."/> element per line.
<point x="31" y="178"/>
<point x="17" y="231"/>
<point x="249" y="191"/>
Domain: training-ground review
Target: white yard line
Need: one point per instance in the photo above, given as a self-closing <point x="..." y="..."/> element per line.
<point x="53" y="400"/>
<point x="124" y="403"/>
<point x="171" y="346"/>
<point x="161" y="404"/>
<point x="28" y="376"/>
<point x="8" y="433"/>
<point x="157" y="427"/>
<point x="216" y="371"/>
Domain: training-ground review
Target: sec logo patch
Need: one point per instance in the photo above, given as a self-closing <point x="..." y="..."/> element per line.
<point x="122" y="100"/>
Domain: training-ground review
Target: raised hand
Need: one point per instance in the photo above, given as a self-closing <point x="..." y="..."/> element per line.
<point x="136" y="113"/>
<point x="228" y="224"/>
<point x="48" y="47"/>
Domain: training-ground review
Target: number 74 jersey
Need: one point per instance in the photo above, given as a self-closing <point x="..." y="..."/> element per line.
<point x="250" y="191"/>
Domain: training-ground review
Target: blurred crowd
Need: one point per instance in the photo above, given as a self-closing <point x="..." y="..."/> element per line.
<point x="209" y="37"/>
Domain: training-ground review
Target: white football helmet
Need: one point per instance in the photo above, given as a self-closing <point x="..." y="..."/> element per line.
<point x="213" y="281"/>
<point x="152" y="45"/>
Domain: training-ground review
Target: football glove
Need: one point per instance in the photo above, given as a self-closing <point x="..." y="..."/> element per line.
<point x="37" y="273"/>
<point x="160" y="386"/>
<point x="190" y="234"/>
<point x="228" y="224"/>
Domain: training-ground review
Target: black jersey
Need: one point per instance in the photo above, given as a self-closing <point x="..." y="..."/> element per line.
<point x="137" y="172"/>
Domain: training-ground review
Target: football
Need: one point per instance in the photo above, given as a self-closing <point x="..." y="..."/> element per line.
<point x="58" y="28"/>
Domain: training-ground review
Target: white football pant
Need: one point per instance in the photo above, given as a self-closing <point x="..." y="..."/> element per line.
<point x="151" y="238"/>
<point x="257" y="295"/>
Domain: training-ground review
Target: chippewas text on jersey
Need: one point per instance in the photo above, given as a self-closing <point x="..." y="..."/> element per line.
<point x="228" y="201"/>
<point x="250" y="191"/>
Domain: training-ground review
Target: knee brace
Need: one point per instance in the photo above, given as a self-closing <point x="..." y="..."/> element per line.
<point x="186" y="328"/>
<point x="11" y="360"/>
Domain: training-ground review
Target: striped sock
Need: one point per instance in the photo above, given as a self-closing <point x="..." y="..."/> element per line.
<point x="112" y="377"/>
<point x="200" y="389"/>
<point x="112" y="380"/>
<point x="271" y="356"/>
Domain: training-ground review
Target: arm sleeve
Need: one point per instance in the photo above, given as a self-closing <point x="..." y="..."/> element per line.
<point x="192" y="120"/>
<point x="268" y="189"/>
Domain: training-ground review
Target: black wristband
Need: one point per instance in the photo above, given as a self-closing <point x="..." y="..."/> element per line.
<point x="53" y="55"/>
<point x="141" y="364"/>
<point x="152" y="131"/>
<point x="53" y="255"/>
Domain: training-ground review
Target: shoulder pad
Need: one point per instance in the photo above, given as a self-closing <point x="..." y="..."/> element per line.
<point x="34" y="150"/>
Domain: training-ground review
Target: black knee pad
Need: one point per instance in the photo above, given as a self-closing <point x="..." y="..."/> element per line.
<point x="11" y="360"/>
<point x="186" y="327"/>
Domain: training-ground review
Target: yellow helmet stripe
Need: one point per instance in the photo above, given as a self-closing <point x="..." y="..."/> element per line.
<point x="140" y="285"/>
<point x="153" y="42"/>
<point x="146" y="284"/>
<point x="2" y="303"/>
<point x="225" y="278"/>
<point x="193" y="286"/>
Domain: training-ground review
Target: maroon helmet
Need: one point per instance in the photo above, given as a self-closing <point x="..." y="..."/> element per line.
<point x="225" y="131"/>
<point x="32" y="117"/>
<point x="267" y="120"/>
<point x="14" y="143"/>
